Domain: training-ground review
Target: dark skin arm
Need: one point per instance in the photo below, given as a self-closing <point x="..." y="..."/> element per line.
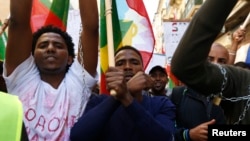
<point x="200" y="132"/>
<point x="19" y="34"/>
<point x="140" y="81"/>
<point x="116" y="81"/>
<point x="89" y="36"/>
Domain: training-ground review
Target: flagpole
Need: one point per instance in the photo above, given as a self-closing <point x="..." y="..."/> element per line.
<point x="247" y="20"/>
<point x="109" y="26"/>
<point x="110" y="42"/>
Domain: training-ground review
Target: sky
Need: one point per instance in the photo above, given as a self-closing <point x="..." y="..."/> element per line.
<point x="151" y="6"/>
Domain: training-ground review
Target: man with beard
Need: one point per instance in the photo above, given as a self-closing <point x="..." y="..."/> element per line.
<point x="160" y="79"/>
<point x="129" y="114"/>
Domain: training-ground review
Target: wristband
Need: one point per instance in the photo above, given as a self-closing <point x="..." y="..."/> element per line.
<point x="186" y="136"/>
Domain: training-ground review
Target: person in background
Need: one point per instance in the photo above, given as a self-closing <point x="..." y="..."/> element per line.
<point x="128" y="115"/>
<point x="51" y="83"/>
<point x="237" y="38"/>
<point x="160" y="79"/>
<point x="190" y="65"/>
<point x="218" y="54"/>
<point x="194" y="112"/>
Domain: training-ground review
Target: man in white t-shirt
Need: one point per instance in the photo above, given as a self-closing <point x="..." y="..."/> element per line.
<point x="41" y="69"/>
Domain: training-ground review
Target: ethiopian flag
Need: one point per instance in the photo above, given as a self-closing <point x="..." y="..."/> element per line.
<point x="3" y="42"/>
<point x="46" y="12"/>
<point x="131" y="26"/>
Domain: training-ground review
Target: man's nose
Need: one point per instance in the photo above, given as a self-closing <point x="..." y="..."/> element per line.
<point x="50" y="47"/>
<point x="128" y="65"/>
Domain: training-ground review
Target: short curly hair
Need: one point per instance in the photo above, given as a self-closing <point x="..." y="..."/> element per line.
<point x="128" y="47"/>
<point x="51" y="28"/>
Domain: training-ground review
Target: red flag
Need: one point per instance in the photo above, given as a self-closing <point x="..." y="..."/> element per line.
<point x="44" y="13"/>
<point x="131" y="26"/>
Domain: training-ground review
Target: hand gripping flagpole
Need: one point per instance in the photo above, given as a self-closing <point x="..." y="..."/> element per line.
<point x="110" y="42"/>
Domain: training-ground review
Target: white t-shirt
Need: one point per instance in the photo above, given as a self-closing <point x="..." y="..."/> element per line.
<point x="50" y="113"/>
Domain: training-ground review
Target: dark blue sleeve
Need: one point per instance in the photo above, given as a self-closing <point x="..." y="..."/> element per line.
<point x="89" y="127"/>
<point x="154" y="126"/>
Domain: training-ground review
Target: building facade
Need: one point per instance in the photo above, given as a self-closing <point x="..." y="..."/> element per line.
<point x="4" y="9"/>
<point x="184" y="10"/>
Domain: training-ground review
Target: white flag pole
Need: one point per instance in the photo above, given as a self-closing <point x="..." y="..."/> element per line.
<point x="110" y="42"/>
<point x="247" y="20"/>
<point x="109" y="27"/>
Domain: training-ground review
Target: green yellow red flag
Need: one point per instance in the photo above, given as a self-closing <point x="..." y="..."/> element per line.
<point x="45" y="12"/>
<point x="131" y="26"/>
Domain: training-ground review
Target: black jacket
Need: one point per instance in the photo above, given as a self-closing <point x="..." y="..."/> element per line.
<point x="189" y="63"/>
<point x="193" y="109"/>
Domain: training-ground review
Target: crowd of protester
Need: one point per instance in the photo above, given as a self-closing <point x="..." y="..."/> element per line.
<point x="60" y="93"/>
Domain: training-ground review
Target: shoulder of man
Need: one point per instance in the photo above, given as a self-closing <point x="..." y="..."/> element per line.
<point x="177" y="94"/>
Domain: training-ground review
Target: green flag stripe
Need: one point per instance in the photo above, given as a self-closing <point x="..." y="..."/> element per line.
<point x="115" y="23"/>
<point x="59" y="8"/>
<point x="116" y="26"/>
<point x="47" y="3"/>
<point x="3" y="41"/>
<point x="103" y="31"/>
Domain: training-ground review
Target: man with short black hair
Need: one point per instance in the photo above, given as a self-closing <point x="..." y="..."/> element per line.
<point x="160" y="79"/>
<point x="44" y="73"/>
<point x="129" y="115"/>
